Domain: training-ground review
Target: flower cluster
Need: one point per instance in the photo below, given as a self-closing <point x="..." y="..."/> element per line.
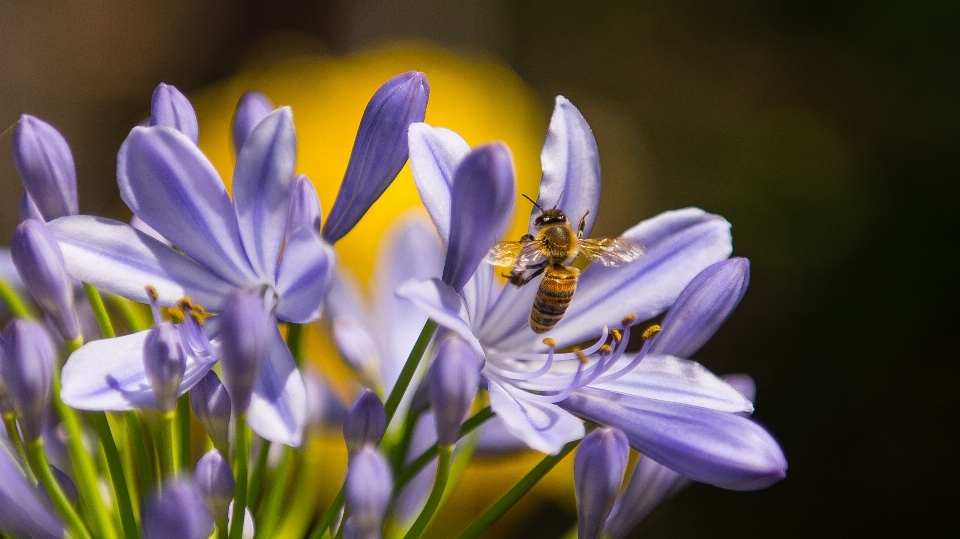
<point x="212" y="292"/>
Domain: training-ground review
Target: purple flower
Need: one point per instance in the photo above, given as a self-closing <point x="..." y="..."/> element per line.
<point x="27" y="371"/>
<point x="164" y="362"/>
<point x="176" y="511"/>
<point x="367" y="491"/>
<point x="215" y="483"/>
<point x="22" y="509"/>
<point x="453" y="380"/>
<point x="597" y="473"/>
<point x="171" y="108"/>
<point x="45" y="165"/>
<point x="365" y="423"/>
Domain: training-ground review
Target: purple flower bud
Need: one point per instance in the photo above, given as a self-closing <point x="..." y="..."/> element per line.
<point x="649" y="486"/>
<point x="367" y="491"/>
<point x="365" y="423"/>
<point x="597" y="473"/>
<point x="176" y="512"/>
<point x="215" y="483"/>
<point x="379" y="151"/>
<point x="66" y="485"/>
<point x="246" y="331"/>
<point x="23" y="511"/>
<point x="251" y="109"/>
<point x="172" y="109"/>
<point x="27" y="370"/>
<point x="703" y="306"/>
<point x="40" y="264"/>
<point x="45" y="165"/>
<point x="211" y="405"/>
<point x="454" y="377"/>
<point x="164" y="362"/>
<point x="304" y="206"/>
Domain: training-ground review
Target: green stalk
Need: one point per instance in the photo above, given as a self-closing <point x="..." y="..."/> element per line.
<point x="409" y="369"/>
<point x="41" y="467"/>
<point x="13" y="434"/>
<point x="295" y="342"/>
<point x="436" y="494"/>
<point x="270" y="508"/>
<point x="518" y="491"/>
<point x="100" y="310"/>
<point x="100" y="425"/>
<point x="138" y="450"/>
<point x="222" y="529"/>
<point x="256" y="478"/>
<point x="18" y="307"/>
<point x="167" y="451"/>
<point x="241" y="454"/>
<point x="327" y="519"/>
<point x="398" y="453"/>
<point x="183" y="432"/>
<point x="133" y="313"/>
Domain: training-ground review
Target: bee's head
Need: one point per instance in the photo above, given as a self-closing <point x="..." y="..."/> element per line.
<point x="549" y="217"/>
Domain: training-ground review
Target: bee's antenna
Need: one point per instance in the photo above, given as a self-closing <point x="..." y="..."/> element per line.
<point x="559" y="198"/>
<point x="533" y="201"/>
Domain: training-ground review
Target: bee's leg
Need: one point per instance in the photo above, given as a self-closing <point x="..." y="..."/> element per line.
<point x="583" y="224"/>
<point x="519" y="280"/>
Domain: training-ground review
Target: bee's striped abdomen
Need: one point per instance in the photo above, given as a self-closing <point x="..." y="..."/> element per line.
<point x="556" y="289"/>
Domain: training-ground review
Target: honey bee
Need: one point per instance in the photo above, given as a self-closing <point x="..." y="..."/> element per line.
<point x="550" y="253"/>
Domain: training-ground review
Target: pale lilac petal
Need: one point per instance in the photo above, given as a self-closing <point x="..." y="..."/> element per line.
<point x="304" y="276"/>
<point x="304" y="209"/>
<point x="571" y="168"/>
<point x="482" y="203"/>
<point x="703" y="306"/>
<point x="28" y="209"/>
<point x="680" y="381"/>
<point x="435" y="153"/>
<point x="544" y="427"/>
<point x="357" y="346"/>
<point x="496" y="440"/>
<point x="117" y="258"/>
<point x="650" y="485"/>
<point x="169" y="184"/>
<point x="22" y="509"/>
<point x="138" y="223"/>
<point x="442" y="304"/>
<point x="680" y="244"/>
<point x="380" y="149"/>
<point x="171" y="108"/>
<point x="744" y="384"/>
<point x="509" y="317"/>
<point x="251" y="109"/>
<point x="719" y="448"/>
<point x="45" y="164"/>
<point x="109" y="375"/>
<point x="261" y="188"/>
<point x="479" y="294"/>
<point x="278" y="408"/>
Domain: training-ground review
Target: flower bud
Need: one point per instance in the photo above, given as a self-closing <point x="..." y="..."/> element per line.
<point x="176" y="512"/>
<point x="379" y="151"/>
<point x="598" y="472"/>
<point x="45" y="165"/>
<point x="454" y="377"/>
<point x="23" y="510"/>
<point x="164" y="362"/>
<point x="251" y="109"/>
<point x="211" y="405"/>
<point x="40" y="264"/>
<point x="171" y="108"/>
<point x="246" y="330"/>
<point x="365" y="423"/>
<point x="367" y="491"/>
<point x="215" y="483"/>
<point x="649" y="486"/>
<point x="27" y="370"/>
<point x="67" y="485"/>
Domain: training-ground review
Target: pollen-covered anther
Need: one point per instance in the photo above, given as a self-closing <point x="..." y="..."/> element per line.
<point x="651" y="331"/>
<point x="550" y="342"/>
<point x="581" y="356"/>
<point x="152" y="293"/>
<point x="605" y="349"/>
<point x="629" y="320"/>
<point x="617" y="336"/>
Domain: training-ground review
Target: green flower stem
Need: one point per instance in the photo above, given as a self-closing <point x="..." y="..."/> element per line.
<point x="430" y="453"/>
<point x="15" y="303"/>
<point x="398" y="453"/>
<point x="299" y="513"/>
<point x="41" y="467"/>
<point x="241" y="454"/>
<point x="83" y="465"/>
<point x="100" y="310"/>
<point x="409" y="369"/>
<point x="327" y="519"/>
<point x="222" y="529"/>
<point x="13" y="434"/>
<point x="138" y="451"/>
<point x="256" y="478"/>
<point x="295" y="342"/>
<point x="518" y="491"/>
<point x="98" y="421"/>
<point x="134" y="314"/>
<point x="167" y="451"/>
<point x="270" y="508"/>
<point x="436" y="494"/>
<point x="183" y="432"/>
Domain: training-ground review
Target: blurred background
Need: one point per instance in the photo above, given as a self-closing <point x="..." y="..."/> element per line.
<point x="826" y="132"/>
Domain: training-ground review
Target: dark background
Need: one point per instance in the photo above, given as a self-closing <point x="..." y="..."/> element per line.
<point x="826" y="132"/>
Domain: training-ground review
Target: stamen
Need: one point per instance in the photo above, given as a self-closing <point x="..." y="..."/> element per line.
<point x="629" y="320"/>
<point x="550" y="342"/>
<point x="581" y="356"/>
<point x="154" y="303"/>
<point x="651" y="331"/>
<point x="616" y="335"/>
<point x="605" y="349"/>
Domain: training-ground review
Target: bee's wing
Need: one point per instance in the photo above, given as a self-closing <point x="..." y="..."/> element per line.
<point x="513" y="253"/>
<point x="611" y="251"/>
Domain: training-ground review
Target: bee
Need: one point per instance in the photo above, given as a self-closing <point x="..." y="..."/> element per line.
<point x="555" y="246"/>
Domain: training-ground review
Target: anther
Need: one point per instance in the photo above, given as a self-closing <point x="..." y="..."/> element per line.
<point x="605" y="349"/>
<point x="550" y="342"/>
<point x="616" y="335"/>
<point x="152" y="293"/>
<point x="581" y="356"/>
<point x="651" y="331"/>
<point x="629" y="320"/>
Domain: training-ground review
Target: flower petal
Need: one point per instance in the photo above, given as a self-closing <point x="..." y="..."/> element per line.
<point x="171" y="108"/>
<point x="571" y="167"/>
<point x="442" y="304"/>
<point x="650" y="485"/>
<point x="119" y="259"/>
<point x="544" y="427"/>
<point x="722" y="449"/>
<point x="251" y="109"/>
<point x="109" y="375"/>
<point x="380" y="149"/>
<point x="261" y="188"/>
<point x="304" y="276"/>
<point x="304" y="209"/>
<point x="482" y="201"/>
<point x="680" y="381"/>
<point x="278" y="408"/>
<point x="24" y="512"/>
<point x="45" y="165"/>
<point x="172" y="187"/>
<point x="435" y="153"/>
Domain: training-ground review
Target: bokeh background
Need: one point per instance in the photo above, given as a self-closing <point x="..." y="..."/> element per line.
<point x="826" y="132"/>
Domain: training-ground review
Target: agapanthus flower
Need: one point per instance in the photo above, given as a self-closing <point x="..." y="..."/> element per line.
<point x="527" y="375"/>
<point x="221" y="245"/>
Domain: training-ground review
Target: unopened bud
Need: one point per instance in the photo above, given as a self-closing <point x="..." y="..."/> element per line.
<point x="27" y="371"/>
<point x="211" y="405"/>
<point x="367" y="491"/>
<point x="176" y="512"/>
<point x="215" y="483"/>
<point x="246" y="330"/>
<point x="164" y="362"/>
<point x="454" y="378"/>
<point x="365" y="423"/>
<point x="598" y="471"/>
